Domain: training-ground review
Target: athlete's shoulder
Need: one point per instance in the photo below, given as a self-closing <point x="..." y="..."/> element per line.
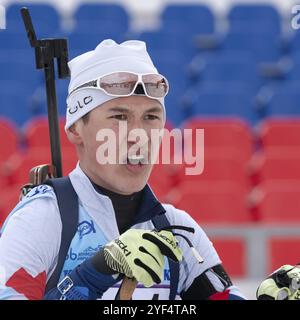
<point x="42" y="190"/>
<point x="177" y="216"/>
<point x="40" y="203"/>
<point x="32" y="231"/>
<point x="39" y="195"/>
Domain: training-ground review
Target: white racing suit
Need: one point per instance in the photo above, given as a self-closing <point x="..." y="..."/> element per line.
<point x="30" y="242"/>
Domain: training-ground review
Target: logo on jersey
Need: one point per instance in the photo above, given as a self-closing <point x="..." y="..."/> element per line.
<point x="42" y="189"/>
<point x="167" y="275"/>
<point x="85" y="254"/>
<point x="85" y="228"/>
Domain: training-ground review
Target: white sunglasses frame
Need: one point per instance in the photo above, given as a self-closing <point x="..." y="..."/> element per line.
<point x="95" y="84"/>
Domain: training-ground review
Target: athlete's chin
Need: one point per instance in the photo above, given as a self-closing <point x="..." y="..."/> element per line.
<point x="129" y="187"/>
<point x="133" y="181"/>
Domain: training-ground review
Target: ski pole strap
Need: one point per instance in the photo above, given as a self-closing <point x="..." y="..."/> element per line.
<point x="161" y="221"/>
<point x="67" y="200"/>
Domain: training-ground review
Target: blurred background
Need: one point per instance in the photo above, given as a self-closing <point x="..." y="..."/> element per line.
<point x="234" y="70"/>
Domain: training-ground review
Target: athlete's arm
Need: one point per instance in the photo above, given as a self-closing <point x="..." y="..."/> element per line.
<point x="28" y="248"/>
<point x="207" y="280"/>
<point x="213" y="284"/>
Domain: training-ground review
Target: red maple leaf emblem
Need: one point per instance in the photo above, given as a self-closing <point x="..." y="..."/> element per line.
<point x="32" y="287"/>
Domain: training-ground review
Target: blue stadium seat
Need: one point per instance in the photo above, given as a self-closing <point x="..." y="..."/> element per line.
<point x="73" y="53"/>
<point x="285" y="100"/>
<point x="295" y="44"/>
<point x="294" y="72"/>
<point x="218" y="100"/>
<point x="82" y="42"/>
<point x="101" y="14"/>
<point x="161" y="40"/>
<point x="62" y="93"/>
<point x="172" y="64"/>
<point x="230" y="66"/>
<point x="107" y="27"/>
<point x="38" y="102"/>
<point x="266" y="27"/>
<point x="15" y="101"/>
<point x="192" y="18"/>
<point x="254" y="17"/>
<point x="263" y="46"/>
<point x="14" y="40"/>
<point x="174" y="109"/>
<point x="45" y="18"/>
<point x="18" y="65"/>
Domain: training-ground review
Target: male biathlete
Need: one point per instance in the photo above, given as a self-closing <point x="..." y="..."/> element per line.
<point x="117" y="231"/>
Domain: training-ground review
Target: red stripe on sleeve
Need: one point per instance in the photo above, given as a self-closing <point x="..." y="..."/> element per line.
<point x="220" y="295"/>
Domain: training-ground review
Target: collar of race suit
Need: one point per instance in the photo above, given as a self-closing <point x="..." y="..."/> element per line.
<point x="132" y="209"/>
<point x="125" y="206"/>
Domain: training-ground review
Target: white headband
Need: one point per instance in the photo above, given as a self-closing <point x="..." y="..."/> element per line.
<point x="108" y="57"/>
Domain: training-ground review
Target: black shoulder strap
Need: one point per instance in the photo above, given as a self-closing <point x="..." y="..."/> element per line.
<point x="161" y="221"/>
<point x="68" y="206"/>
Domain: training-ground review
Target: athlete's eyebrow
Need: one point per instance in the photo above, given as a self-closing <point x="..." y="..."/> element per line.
<point x="119" y="109"/>
<point x="154" y="110"/>
<point x="126" y="110"/>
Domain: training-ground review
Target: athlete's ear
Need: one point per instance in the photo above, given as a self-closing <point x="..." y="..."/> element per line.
<point x="74" y="133"/>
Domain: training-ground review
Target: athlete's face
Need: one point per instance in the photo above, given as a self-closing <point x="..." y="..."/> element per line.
<point x="120" y="117"/>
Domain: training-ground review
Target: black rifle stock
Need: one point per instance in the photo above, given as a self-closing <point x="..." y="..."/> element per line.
<point x="46" y="51"/>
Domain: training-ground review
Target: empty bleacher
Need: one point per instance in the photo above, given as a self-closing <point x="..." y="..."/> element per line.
<point x="254" y="35"/>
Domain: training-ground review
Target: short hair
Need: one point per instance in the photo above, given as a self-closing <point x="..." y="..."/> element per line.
<point x="85" y="118"/>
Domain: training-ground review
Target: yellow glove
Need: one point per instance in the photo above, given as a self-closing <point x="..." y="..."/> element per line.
<point x="140" y="254"/>
<point x="283" y="284"/>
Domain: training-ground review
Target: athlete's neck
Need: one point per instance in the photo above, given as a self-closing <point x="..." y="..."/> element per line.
<point x="125" y="206"/>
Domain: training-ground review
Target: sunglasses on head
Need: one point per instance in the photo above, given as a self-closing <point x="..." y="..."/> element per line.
<point x="124" y="84"/>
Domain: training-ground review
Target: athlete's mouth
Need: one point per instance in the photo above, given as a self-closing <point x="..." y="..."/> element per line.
<point x="136" y="159"/>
